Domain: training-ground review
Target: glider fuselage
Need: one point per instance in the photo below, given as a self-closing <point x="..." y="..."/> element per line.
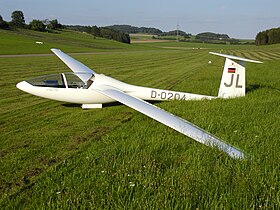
<point x="81" y="94"/>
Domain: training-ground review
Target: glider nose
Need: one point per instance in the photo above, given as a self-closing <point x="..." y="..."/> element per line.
<point x="22" y="86"/>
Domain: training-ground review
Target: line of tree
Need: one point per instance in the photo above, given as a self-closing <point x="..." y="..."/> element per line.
<point x="158" y="34"/>
<point x="45" y="25"/>
<point x="210" y="37"/>
<point x="206" y="36"/>
<point x="135" y="30"/>
<point x="146" y="30"/>
<point x="18" y="21"/>
<point x="174" y="33"/>
<point x="3" y="23"/>
<point x="103" y="32"/>
<point x="271" y="36"/>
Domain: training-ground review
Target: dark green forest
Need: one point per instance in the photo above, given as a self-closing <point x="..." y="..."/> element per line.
<point x="211" y="36"/>
<point x="103" y="32"/>
<point x="174" y="33"/>
<point x="271" y="36"/>
<point x="135" y="30"/>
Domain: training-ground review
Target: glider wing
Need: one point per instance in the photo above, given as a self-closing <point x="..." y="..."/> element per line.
<point x="82" y="71"/>
<point x="170" y="120"/>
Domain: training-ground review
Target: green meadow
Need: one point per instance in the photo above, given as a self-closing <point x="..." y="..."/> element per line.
<point x="54" y="155"/>
<point x="23" y="41"/>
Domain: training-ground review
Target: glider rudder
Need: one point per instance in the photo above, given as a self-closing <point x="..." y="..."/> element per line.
<point x="233" y="82"/>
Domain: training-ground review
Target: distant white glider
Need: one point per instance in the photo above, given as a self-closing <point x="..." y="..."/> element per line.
<point x="90" y="89"/>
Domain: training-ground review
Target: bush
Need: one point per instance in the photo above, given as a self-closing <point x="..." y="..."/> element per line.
<point x="37" y="25"/>
<point x="3" y="24"/>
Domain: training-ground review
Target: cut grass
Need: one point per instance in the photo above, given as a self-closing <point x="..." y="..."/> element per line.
<point x="56" y="155"/>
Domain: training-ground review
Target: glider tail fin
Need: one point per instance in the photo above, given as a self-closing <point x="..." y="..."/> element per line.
<point x="233" y="78"/>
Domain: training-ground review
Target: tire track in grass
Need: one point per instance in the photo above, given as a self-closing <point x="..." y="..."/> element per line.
<point x="96" y="133"/>
<point x="25" y="115"/>
<point x="273" y="55"/>
<point x="186" y="70"/>
<point x="251" y="55"/>
<point x="143" y="70"/>
<point x="12" y="104"/>
<point x="277" y="54"/>
<point x="149" y="61"/>
<point x="259" y="55"/>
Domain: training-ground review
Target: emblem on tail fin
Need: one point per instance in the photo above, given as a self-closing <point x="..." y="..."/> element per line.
<point x="233" y="78"/>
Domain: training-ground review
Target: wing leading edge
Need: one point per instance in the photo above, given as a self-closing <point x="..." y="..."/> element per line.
<point x="170" y="120"/>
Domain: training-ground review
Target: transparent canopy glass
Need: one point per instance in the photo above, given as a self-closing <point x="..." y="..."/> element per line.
<point x="64" y="80"/>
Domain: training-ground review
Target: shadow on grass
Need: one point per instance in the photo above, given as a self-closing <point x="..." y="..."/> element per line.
<point x="252" y="88"/>
<point x="105" y="105"/>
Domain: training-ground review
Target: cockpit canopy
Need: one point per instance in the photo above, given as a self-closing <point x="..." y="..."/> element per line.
<point x="64" y="80"/>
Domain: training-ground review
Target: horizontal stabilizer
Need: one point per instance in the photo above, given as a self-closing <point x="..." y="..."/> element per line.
<point x="235" y="57"/>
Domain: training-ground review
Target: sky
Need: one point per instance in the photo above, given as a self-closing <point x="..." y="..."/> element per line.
<point x="237" y="18"/>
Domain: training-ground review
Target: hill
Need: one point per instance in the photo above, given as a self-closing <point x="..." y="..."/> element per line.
<point x="103" y="32"/>
<point x="157" y="34"/>
<point x="146" y="30"/>
<point x="211" y="37"/>
<point x="21" y="41"/>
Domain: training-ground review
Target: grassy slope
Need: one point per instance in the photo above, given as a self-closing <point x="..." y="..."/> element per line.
<point x="56" y="155"/>
<point x="24" y="41"/>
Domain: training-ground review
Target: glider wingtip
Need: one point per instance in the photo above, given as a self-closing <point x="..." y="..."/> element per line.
<point x="54" y="49"/>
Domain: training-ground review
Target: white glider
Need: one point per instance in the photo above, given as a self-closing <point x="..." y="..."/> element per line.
<point x="90" y="89"/>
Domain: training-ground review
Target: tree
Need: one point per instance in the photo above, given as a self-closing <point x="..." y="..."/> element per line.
<point x="95" y="31"/>
<point x="54" y="25"/>
<point x="18" y="19"/>
<point x="274" y="36"/>
<point x="128" y="29"/>
<point x="3" y="24"/>
<point x="37" y="25"/>
<point x="271" y="36"/>
<point x="104" y="32"/>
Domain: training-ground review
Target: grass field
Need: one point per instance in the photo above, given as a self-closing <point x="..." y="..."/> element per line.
<point x="56" y="155"/>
